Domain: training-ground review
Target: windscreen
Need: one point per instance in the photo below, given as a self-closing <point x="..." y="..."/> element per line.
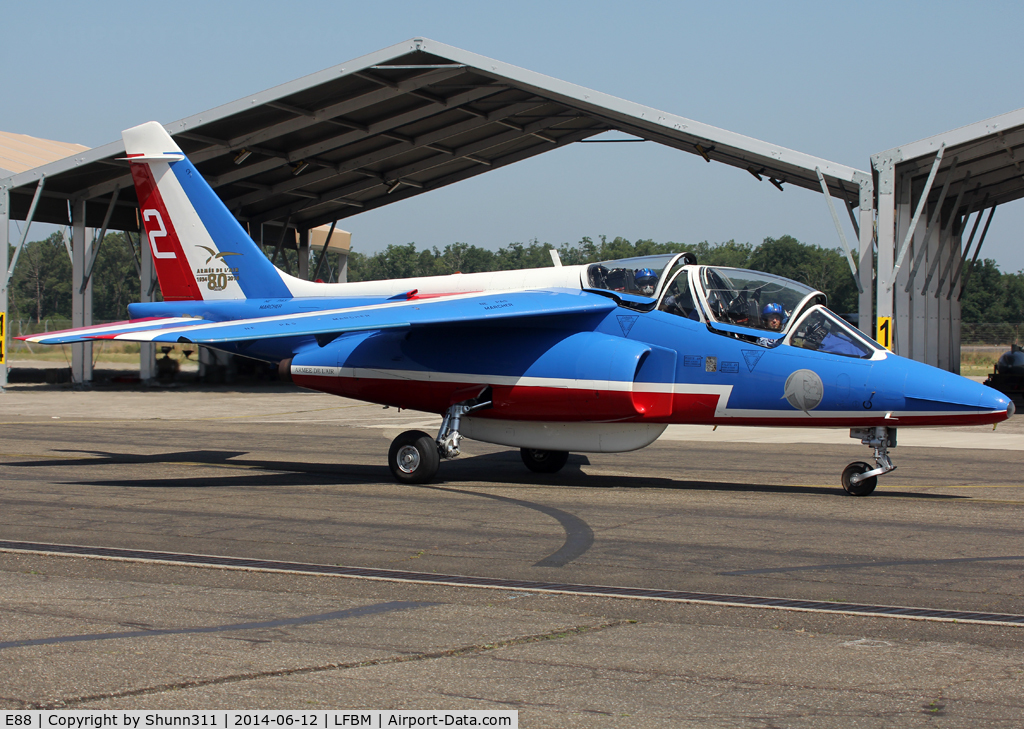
<point x="820" y="332"/>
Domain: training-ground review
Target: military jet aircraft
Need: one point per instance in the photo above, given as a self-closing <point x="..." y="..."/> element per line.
<point x="591" y="358"/>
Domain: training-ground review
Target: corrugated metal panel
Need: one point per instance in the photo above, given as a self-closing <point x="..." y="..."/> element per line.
<point x="20" y="152"/>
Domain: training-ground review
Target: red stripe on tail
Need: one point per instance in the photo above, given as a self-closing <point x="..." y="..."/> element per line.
<point x="177" y="283"/>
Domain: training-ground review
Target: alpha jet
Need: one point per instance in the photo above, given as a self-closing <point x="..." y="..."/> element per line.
<point x="591" y="358"/>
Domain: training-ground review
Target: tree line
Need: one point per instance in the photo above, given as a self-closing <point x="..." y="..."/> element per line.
<point x="41" y="286"/>
<point x="989" y="296"/>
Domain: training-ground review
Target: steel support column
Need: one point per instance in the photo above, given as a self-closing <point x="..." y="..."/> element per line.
<point x="886" y="238"/>
<point x="5" y="206"/>
<point x="81" y="294"/>
<point x="303" y="248"/>
<point x="903" y="321"/>
<point x="930" y="249"/>
<point x="866" y="266"/>
<point x="915" y="306"/>
<point x="942" y="355"/>
<point x="343" y="268"/>
<point x="954" y="305"/>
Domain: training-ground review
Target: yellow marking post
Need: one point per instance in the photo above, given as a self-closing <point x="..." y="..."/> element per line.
<point x="3" y="336"/>
<point x="883" y="332"/>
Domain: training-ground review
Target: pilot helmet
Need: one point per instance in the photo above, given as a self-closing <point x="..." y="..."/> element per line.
<point x="773" y="309"/>
<point x="646" y="281"/>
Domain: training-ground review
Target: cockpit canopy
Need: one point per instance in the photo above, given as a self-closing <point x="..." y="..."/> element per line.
<point x="761" y="308"/>
<point x="640" y="276"/>
<point x="749" y="298"/>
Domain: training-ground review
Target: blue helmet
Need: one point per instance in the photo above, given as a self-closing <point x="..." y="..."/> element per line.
<point x="645" y="277"/>
<point x="772" y="310"/>
<point x="646" y="281"/>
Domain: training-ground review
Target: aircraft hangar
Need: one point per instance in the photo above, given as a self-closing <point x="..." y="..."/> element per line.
<point x="421" y="115"/>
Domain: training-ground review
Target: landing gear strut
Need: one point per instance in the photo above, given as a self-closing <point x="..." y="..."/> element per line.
<point x="859" y="479"/>
<point x="414" y="456"/>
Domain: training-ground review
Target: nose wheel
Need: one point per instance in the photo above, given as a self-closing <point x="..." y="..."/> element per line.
<point x="859" y="478"/>
<point x="865" y="485"/>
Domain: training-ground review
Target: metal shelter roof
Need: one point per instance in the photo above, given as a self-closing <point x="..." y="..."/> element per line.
<point x="988" y="155"/>
<point x="404" y="120"/>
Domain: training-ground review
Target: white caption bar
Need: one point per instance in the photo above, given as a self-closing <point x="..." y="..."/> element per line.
<point x="86" y="719"/>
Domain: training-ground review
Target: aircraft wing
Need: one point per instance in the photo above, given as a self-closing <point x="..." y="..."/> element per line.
<point x="461" y="308"/>
<point x="136" y="327"/>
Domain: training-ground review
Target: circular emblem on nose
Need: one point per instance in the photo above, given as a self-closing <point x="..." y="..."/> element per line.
<point x="804" y="390"/>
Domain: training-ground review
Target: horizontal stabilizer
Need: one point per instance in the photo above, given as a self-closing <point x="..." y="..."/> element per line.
<point x="134" y="327"/>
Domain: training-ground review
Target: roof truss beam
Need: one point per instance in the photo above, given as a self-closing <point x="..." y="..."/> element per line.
<point x="317" y="116"/>
<point x="310" y="152"/>
<point x="517" y="156"/>
<point x="344" y="192"/>
<point x="425" y="140"/>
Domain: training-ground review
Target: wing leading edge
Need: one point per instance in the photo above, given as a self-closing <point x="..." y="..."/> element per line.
<point x="390" y="315"/>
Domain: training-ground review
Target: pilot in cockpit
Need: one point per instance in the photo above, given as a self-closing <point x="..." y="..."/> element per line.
<point x="772" y="315"/>
<point x="646" y="281"/>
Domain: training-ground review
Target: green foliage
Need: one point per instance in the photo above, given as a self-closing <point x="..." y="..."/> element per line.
<point x="992" y="296"/>
<point x="41" y="285"/>
<point x="821" y="268"/>
<point x="115" y="281"/>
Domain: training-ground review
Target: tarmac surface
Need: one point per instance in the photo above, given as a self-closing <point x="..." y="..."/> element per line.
<point x="281" y="474"/>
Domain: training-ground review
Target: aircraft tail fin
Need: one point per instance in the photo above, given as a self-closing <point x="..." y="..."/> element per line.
<point x="199" y="249"/>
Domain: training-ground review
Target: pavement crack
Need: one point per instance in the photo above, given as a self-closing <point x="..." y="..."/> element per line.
<point x="467" y="650"/>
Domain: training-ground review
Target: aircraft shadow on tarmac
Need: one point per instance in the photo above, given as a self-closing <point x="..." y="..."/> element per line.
<point x="504" y="468"/>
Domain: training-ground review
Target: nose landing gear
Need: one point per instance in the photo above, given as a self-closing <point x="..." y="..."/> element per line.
<point x="859" y="479"/>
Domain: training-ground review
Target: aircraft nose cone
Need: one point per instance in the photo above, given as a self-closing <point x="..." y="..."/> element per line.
<point x="962" y="400"/>
<point x="1010" y="410"/>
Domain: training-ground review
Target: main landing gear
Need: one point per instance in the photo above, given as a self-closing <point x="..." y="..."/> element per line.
<point x="414" y="456"/>
<point x="540" y="461"/>
<point x="859" y="478"/>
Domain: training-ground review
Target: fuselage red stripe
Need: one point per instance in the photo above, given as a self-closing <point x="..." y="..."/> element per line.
<point x="578" y="405"/>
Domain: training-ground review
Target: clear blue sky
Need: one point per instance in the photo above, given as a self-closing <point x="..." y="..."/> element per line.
<point x="836" y="80"/>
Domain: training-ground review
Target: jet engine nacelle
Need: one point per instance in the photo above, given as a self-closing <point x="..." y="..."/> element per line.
<point x="549" y="375"/>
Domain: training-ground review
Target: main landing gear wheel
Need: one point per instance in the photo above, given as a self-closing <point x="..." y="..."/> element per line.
<point x="540" y="461"/>
<point x="413" y="457"/>
<point x="861" y="488"/>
